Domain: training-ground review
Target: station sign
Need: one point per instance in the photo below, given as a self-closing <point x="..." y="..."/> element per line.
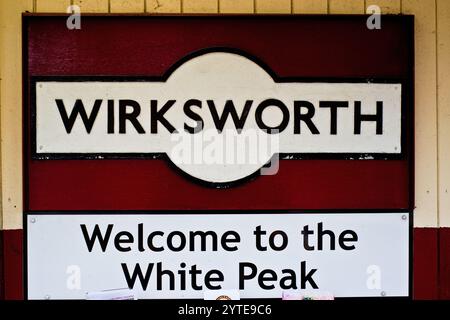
<point x="218" y="115"/>
<point x="166" y="256"/>
<point x="166" y="157"/>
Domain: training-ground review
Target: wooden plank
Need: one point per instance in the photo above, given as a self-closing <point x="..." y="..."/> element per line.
<point x="310" y="6"/>
<point x="346" y="6"/>
<point x="124" y="6"/>
<point x="200" y="6"/>
<point x="92" y="5"/>
<point x="236" y="6"/>
<point x="386" y="6"/>
<point x="163" y="6"/>
<point x="55" y="6"/>
<point x="425" y="214"/>
<point x="11" y="109"/>
<point x="273" y="6"/>
<point x="443" y="63"/>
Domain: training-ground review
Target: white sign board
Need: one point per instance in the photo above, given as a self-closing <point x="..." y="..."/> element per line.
<point x="164" y="256"/>
<point x="213" y="111"/>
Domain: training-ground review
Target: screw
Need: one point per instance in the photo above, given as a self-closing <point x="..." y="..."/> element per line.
<point x="33" y="220"/>
<point x="383" y="293"/>
<point x="404" y="217"/>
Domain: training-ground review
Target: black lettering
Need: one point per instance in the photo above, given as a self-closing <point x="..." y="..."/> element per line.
<point x="343" y="238"/>
<point x="229" y="109"/>
<point x="162" y="272"/>
<point x="193" y="272"/>
<point x="283" y="244"/>
<point x="258" y="233"/>
<point x="202" y="235"/>
<point x="140" y="237"/>
<point x="194" y="116"/>
<point x="150" y="241"/>
<point x="123" y="237"/>
<point x="289" y="280"/>
<point x="130" y="116"/>
<point x="158" y="116"/>
<point x="110" y="116"/>
<point x="242" y="276"/>
<point x="333" y="105"/>
<point x="265" y="104"/>
<point x="230" y="237"/>
<point x="378" y="117"/>
<point x="305" y="117"/>
<point x="182" y="274"/>
<point x="78" y="109"/>
<point x="170" y="244"/>
<point x="321" y="233"/>
<point x="137" y="273"/>
<point x="267" y="275"/>
<point x="307" y="277"/>
<point x="96" y="234"/>
<point x="306" y="233"/>
<point x="213" y="276"/>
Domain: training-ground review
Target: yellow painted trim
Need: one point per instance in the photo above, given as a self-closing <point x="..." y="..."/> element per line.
<point x="56" y="6"/>
<point x="426" y="181"/>
<point x="271" y="6"/>
<point x="443" y="94"/>
<point x="163" y="6"/>
<point x="94" y="6"/>
<point x="11" y="109"/>
<point x="386" y="6"/>
<point x="200" y="6"/>
<point x="310" y="6"/>
<point x="127" y="6"/>
<point x="346" y="6"/>
<point x="236" y="6"/>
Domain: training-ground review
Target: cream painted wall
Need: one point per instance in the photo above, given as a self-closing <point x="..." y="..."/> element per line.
<point x="432" y="84"/>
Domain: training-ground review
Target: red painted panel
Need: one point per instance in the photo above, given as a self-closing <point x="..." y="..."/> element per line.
<point x="144" y="184"/>
<point x="444" y="263"/>
<point x="425" y="265"/>
<point x="2" y="274"/>
<point x="12" y="264"/>
<point x="291" y="46"/>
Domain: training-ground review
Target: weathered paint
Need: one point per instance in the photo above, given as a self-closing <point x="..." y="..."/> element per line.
<point x="443" y="101"/>
<point x="200" y="6"/>
<point x="310" y="6"/>
<point x="94" y="6"/>
<point x="127" y="6"/>
<point x="386" y="6"/>
<point x="346" y="6"/>
<point x="270" y="6"/>
<point x="163" y="6"/>
<point x="52" y="6"/>
<point x="236" y="6"/>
